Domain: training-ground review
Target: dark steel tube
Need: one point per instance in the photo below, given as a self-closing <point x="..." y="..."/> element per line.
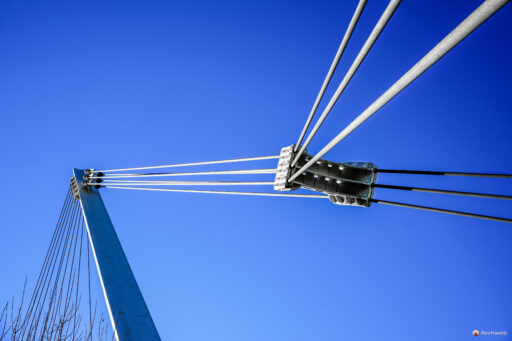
<point x="440" y="210"/>
<point x="483" y="175"/>
<point x="443" y="191"/>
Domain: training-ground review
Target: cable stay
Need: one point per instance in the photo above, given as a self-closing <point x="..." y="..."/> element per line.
<point x="339" y="53"/>
<point x="440" y="210"/>
<point x="346" y="183"/>
<point x="182" y="183"/>
<point x="416" y="172"/>
<point x="147" y="175"/>
<point x="343" y="183"/>
<point x="377" y="30"/>
<point x="313" y="196"/>
<point x="258" y="158"/>
<point x="443" y="191"/>
<point x="53" y="310"/>
<point x="475" y="19"/>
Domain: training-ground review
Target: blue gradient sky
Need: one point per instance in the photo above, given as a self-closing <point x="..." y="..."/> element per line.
<point x="120" y="84"/>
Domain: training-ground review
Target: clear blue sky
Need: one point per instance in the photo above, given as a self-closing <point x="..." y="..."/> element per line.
<point x="120" y="84"/>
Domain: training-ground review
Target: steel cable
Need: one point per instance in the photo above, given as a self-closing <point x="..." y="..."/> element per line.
<point x="339" y="53"/>
<point x="417" y="172"/>
<point x="222" y="192"/>
<point x="475" y="19"/>
<point x="444" y="191"/>
<point x="183" y="183"/>
<point x="226" y="172"/>
<point x="377" y="30"/>
<point x="45" y="265"/>
<point x="440" y="210"/>
<point x="258" y="158"/>
<point x="46" y="282"/>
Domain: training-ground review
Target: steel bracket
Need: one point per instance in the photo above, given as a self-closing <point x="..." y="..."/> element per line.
<point x="346" y="183"/>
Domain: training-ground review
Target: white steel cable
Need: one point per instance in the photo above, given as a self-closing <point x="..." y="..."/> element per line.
<point x="192" y="164"/>
<point x="339" y="53"/>
<point x="315" y="196"/>
<point x="475" y="19"/>
<point x="377" y="30"/>
<point x="181" y="183"/>
<point x="148" y="175"/>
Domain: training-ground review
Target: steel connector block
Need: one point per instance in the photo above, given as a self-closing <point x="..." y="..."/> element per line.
<point x="86" y="182"/>
<point x="346" y="183"/>
<point x="284" y="171"/>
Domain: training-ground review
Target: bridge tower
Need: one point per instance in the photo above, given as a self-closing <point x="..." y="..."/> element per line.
<point x="129" y="315"/>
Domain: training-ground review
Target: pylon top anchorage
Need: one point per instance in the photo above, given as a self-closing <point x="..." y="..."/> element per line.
<point x="346" y="183"/>
<point x="85" y="182"/>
